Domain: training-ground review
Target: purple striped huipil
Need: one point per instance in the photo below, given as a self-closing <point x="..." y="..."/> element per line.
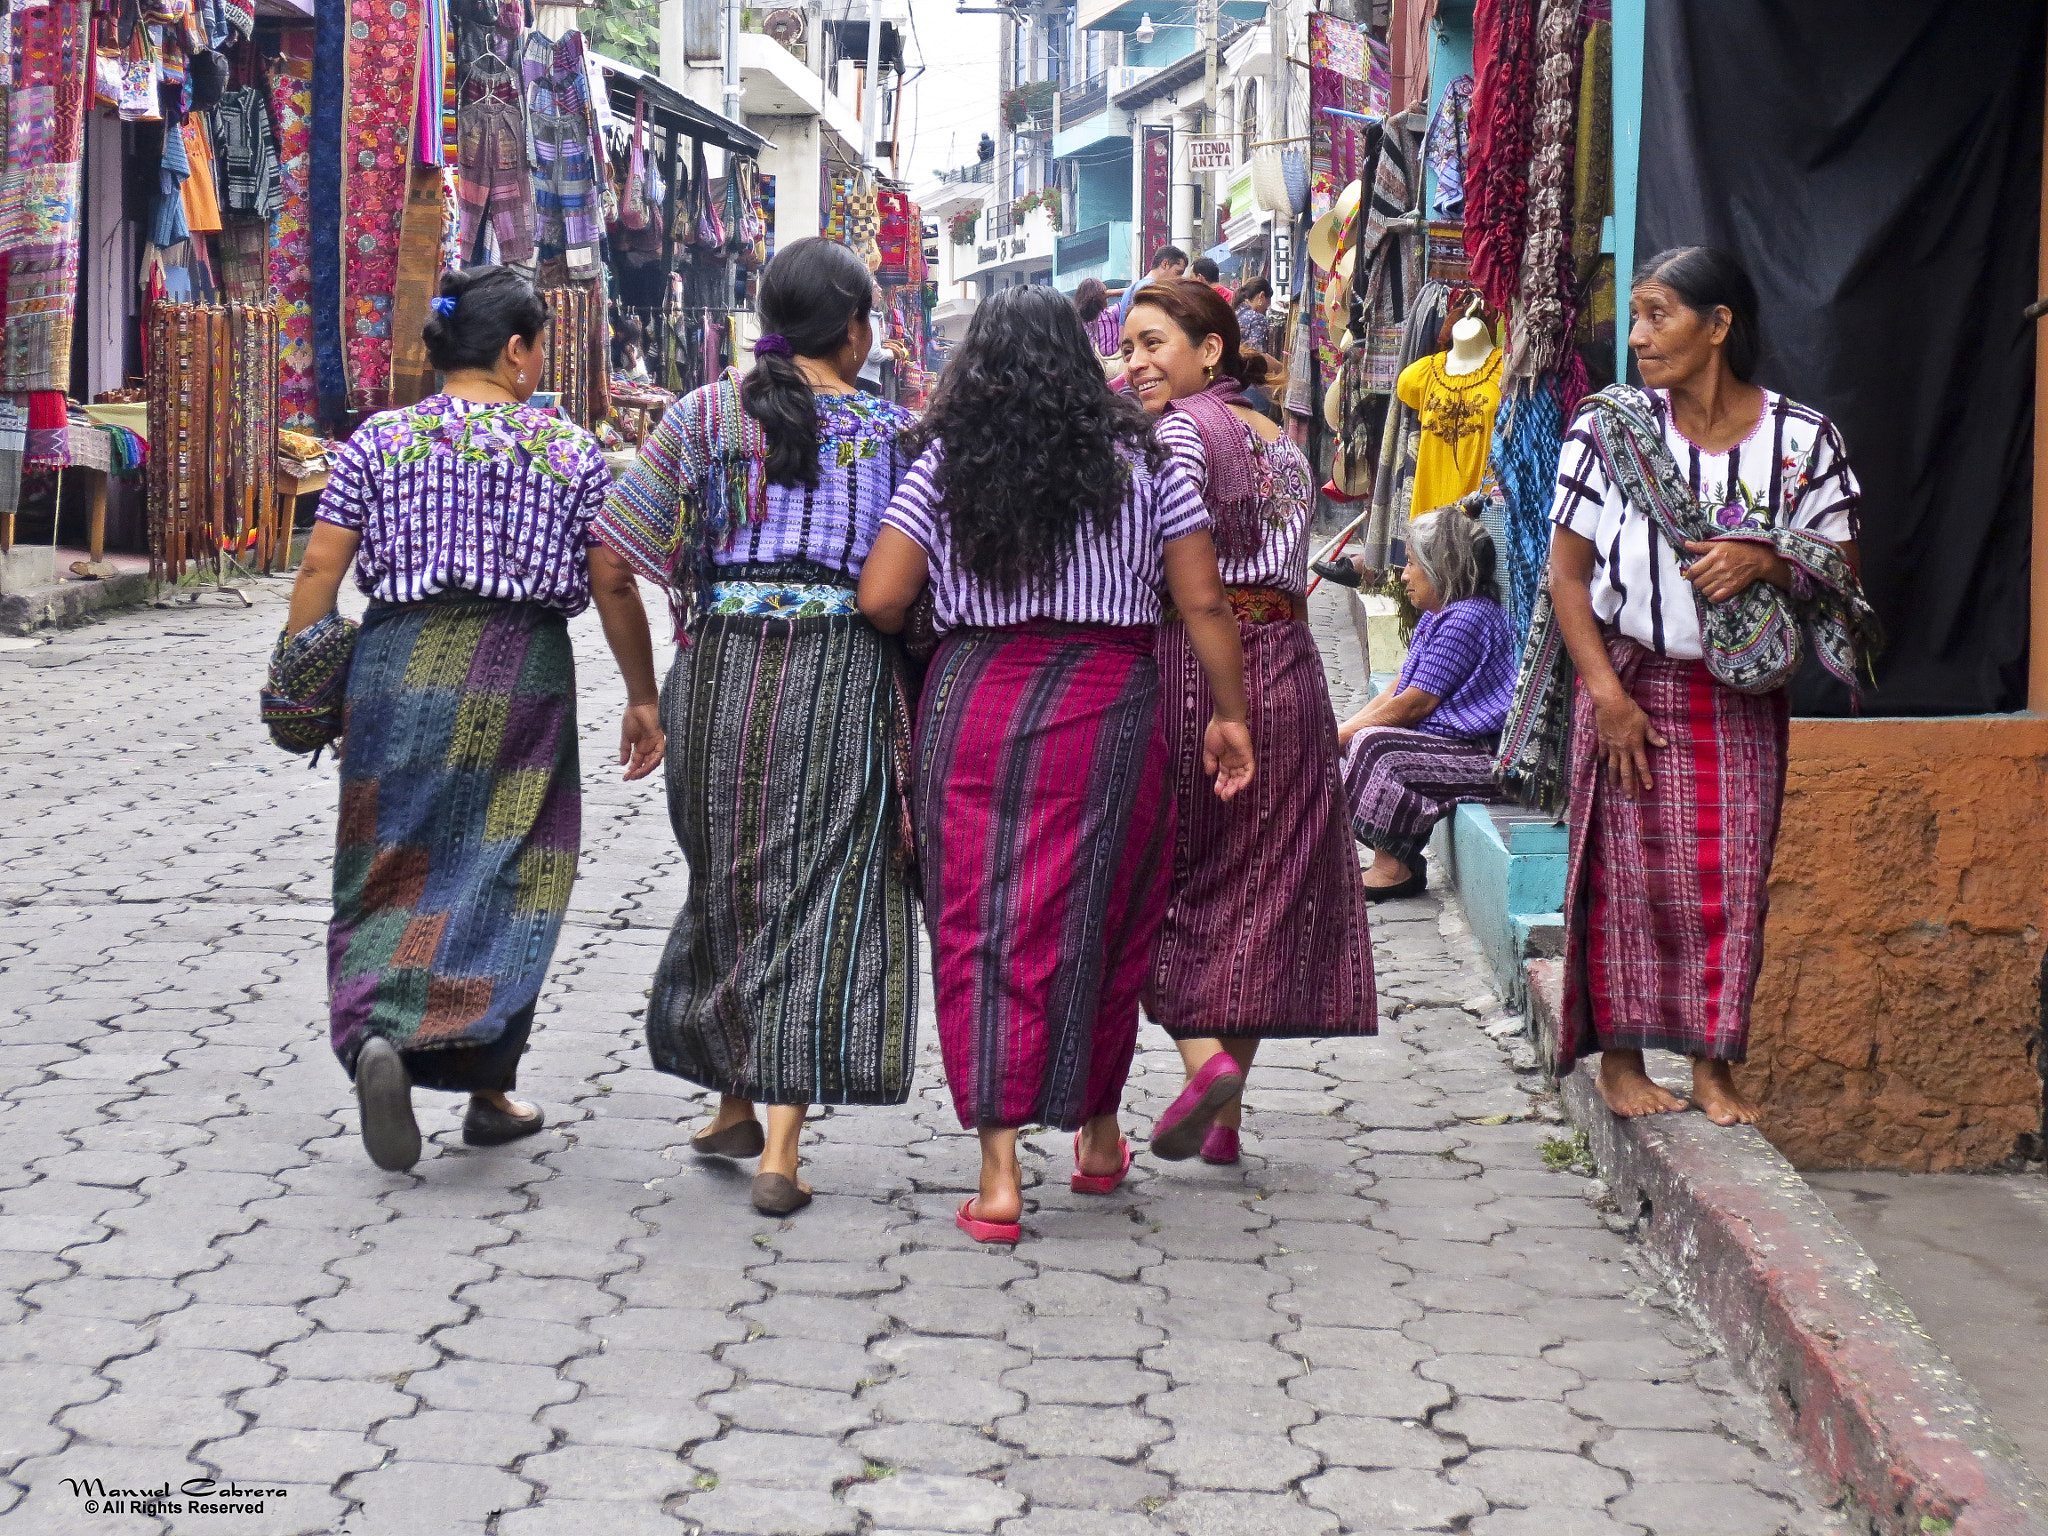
<point x="454" y="496"/>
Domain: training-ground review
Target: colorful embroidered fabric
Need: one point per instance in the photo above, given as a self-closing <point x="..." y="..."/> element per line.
<point x="383" y="59"/>
<point x="324" y="198"/>
<point x="783" y="599"/>
<point x="291" y="236"/>
<point x="50" y="85"/>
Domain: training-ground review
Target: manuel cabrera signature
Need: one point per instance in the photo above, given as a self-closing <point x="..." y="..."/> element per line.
<point x="195" y="1496"/>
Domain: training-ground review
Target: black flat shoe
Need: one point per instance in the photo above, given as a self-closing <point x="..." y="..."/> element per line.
<point x="1414" y="885"/>
<point x="486" y="1125"/>
<point x="1342" y="572"/>
<point x="743" y="1138"/>
<point x="776" y="1194"/>
<point x="384" y="1094"/>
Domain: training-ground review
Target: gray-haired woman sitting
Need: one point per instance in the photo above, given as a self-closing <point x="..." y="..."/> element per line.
<point x="1427" y="743"/>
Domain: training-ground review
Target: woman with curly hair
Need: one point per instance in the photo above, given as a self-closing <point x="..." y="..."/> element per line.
<point x="790" y="978"/>
<point x="1046" y="521"/>
<point x="1265" y="932"/>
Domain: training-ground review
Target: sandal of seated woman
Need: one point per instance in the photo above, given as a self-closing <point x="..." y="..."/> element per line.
<point x="1100" y="1183"/>
<point x="1414" y="885"/>
<point x="1339" y="570"/>
<point x="986" y="1231"/>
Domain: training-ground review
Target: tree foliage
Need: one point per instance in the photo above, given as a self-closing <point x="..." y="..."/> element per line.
<point x="626" y="30"/>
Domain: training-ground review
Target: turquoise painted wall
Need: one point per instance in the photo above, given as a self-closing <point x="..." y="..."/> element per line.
<point x="1104" y="190"/>
<point x="1630" y="26"/>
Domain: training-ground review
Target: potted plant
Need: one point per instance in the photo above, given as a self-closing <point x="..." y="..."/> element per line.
<point x="962" y="225"/>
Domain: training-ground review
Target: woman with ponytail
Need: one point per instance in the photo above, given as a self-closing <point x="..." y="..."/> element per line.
<point x="790" y="977"/>
<point x="1265" y="932"/>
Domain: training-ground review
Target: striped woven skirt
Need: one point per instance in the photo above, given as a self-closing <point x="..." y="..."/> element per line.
<point x="461" y="818"/>
<point x="1401" y="783"/>
<point x="1265" y="928"/>
<point x="1665" y="894"/>
<point x="790" y="976"/>
<point x="1044" y="822"/>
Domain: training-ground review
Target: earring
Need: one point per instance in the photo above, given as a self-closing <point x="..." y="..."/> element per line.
<point x="1208" y="373"/>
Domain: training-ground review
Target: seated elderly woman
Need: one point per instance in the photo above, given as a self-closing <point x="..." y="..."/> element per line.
<point x="1427" y="743"/>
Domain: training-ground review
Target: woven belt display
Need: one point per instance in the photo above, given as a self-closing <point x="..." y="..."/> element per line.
<point x="211" y="391"/>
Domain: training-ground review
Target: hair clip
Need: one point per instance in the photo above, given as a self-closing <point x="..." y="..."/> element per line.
<point x="774" y="345"/>
<point x="443" y="306"/>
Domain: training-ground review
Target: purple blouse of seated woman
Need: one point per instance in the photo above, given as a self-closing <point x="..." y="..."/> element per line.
<point x="1427" y="743"/>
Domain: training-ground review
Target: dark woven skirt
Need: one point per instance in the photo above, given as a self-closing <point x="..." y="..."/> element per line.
<point x="461" y="817"/>
<point x="1043" y="827"/>
<point x="790" y="976"/>
<point x="1265" y="930"/>
<point x="1666" y="893"/>
<point x="1401" y="783"/>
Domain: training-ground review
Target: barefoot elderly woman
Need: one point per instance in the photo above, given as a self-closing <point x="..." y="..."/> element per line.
<point x="467" y="517"/>
<point x="1702" y="541"/>
<point x="1427" y="743"/>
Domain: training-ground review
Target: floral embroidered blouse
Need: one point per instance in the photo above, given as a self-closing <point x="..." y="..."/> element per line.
<point x="1286" y="492"/>
<point x="455" y="496"/>
<point x="699" y="499"/>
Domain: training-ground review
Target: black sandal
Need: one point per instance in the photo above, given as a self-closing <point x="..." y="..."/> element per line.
<point x="1341" y="571"/>
<point x="1414" y="885"/>
<point x="486" y="1125"/>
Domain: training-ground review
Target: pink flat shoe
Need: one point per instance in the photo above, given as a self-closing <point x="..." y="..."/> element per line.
<point x="1178" y="1135"/>
<point x="986" y="1231"/>
<point x="1100" y="1183"/>
<point x="1220" y="1145"/>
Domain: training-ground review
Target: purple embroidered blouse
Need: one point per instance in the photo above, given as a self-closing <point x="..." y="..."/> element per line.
<point x="1465" y="655"/>
<point x="453" y="496"/>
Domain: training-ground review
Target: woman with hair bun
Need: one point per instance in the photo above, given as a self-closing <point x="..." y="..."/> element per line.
<point x="790" y="977"/>
<point x="467" y="517"/>
<point x="1265" y="933"/>
<point x="1047" y="523"/>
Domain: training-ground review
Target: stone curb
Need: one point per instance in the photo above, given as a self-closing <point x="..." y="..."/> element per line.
<point x="23" y="613"/>
<point x="1803" y="1313"/>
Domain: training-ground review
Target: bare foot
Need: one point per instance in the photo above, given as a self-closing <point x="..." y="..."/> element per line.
<point x="504" y="1104"/>
<point x="1001" y="1198"/>
<point x="1386" y="871"/>
<point x="1713" y="1088"/>
<point x="1628" y="1090"/>
<point x="1101" y="1151"/>
<point x="731" y="1112"/>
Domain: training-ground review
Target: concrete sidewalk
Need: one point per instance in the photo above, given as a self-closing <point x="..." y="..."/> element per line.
<point x="1397" y="1314"/>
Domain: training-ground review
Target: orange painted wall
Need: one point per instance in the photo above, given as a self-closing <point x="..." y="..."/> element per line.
<point x="1898" y="1017"/>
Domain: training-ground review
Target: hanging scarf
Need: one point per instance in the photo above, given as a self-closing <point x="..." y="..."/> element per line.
<point x="1545" y="311"/>
<point x="1233" y="494"/>
<point x="725" y="451"/>
<point x="1496" y="170"/>
<point x="1754" y="642"/>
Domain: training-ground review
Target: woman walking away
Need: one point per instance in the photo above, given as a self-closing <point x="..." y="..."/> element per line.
<point x="467" y="517"/>
<point x="1427" y="743"/>
<point x="791" y="975"/>
<point x="1091" y="299"/>
<point x="1698" y="522"/>
<point x="1046" y="522"/>
<point x="1265" y="933"/>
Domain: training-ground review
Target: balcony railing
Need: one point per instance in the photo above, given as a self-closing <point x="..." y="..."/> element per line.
<point x="1079" y="102"/>
<point x="999" y="222"/>
<point x="981" y="170"/>
<point x="1083" y="248"/>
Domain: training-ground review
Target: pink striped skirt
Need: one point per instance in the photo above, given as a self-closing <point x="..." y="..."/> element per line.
<point x="1043" y="822"/>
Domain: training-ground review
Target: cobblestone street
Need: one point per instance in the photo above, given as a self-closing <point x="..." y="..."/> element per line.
<point x="1395" y="1315"/>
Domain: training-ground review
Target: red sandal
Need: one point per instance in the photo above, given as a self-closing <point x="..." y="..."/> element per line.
<point x="1100" y="1183"/>
<point x="986" y="1231"/>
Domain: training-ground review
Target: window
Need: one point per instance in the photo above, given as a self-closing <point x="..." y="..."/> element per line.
<point x="1092" y="56"/>
<point x="1248" y="118"/>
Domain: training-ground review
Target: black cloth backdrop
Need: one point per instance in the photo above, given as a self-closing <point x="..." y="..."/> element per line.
<point x="1877" y="167"/>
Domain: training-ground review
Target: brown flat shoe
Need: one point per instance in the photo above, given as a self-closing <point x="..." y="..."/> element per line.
<point x="776" y="1194"/>
<point x="743" y="1138"/>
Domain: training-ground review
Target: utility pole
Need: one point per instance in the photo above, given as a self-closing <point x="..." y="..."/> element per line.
<point x="1207" y="12"/>
<point x="732" y="59"/>
<point x="871" y="104"/>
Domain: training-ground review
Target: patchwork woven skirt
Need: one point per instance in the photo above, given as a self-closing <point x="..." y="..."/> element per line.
<point x="1666" y="893"/>
<point x="1401" y="783"/>
<point x="790" y="976"/>
<point x="1265" y="929"/>
<point x="1044" y="828"/>
<point x="461" y="819"/>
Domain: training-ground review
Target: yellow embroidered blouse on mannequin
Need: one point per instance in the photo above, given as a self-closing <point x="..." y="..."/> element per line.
<point x="1456" y="409"/>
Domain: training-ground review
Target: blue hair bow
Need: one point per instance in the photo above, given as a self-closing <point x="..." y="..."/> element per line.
<point x="443" y="306"/>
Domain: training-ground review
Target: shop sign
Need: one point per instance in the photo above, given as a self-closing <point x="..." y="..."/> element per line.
<point x="1156" y="207"/>
<point x="1206" y="155"/>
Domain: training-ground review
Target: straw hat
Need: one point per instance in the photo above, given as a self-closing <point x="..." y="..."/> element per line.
<point x="1332" y="230"/>
<point x="1353" y="480"/>
<point x="1333" y="405"/>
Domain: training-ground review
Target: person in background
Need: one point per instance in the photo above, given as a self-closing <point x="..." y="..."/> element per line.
<point x="1265" y="934"/>
<point x="467" y="518"/>
<point x="629" y="351"/>
<point x="1677" y="778"/>
<point x="1168" y="262"/>
<point x="1045" y="522"/>
<point x="1252" y="303"/>
<point x="790" y="977"/>
<point x="1427" y="743"/>
<point x="1205" y="270"/>
<point x="878" y="352"/>
<point x="1091" y="299"/>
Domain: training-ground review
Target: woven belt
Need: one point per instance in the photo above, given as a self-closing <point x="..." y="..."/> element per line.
<point x="783" y="599"/>
<point x="1252" y="605"/>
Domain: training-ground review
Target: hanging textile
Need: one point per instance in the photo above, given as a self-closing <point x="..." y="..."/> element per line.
<point x="50" y="86"/>
<point x="1449" y="136"/>
<point x="324" y="197"/>
<point x="1337" y="79"/>
<point x="251" y="181"/>
<point x="211" y="399"/>
<point x="383" y="59"/>
<point x="1593" y="205"/>
<point x="1544" y="308"/>
<point x="1528" y="436"/>
<point x="895" y="236"/>
<point x="1497" y="164"/>
<point x="245" y="260"/>
<point x="290" y="78"/>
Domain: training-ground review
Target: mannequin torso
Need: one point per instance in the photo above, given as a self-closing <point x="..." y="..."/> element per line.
<point x="1470" y="348"/>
